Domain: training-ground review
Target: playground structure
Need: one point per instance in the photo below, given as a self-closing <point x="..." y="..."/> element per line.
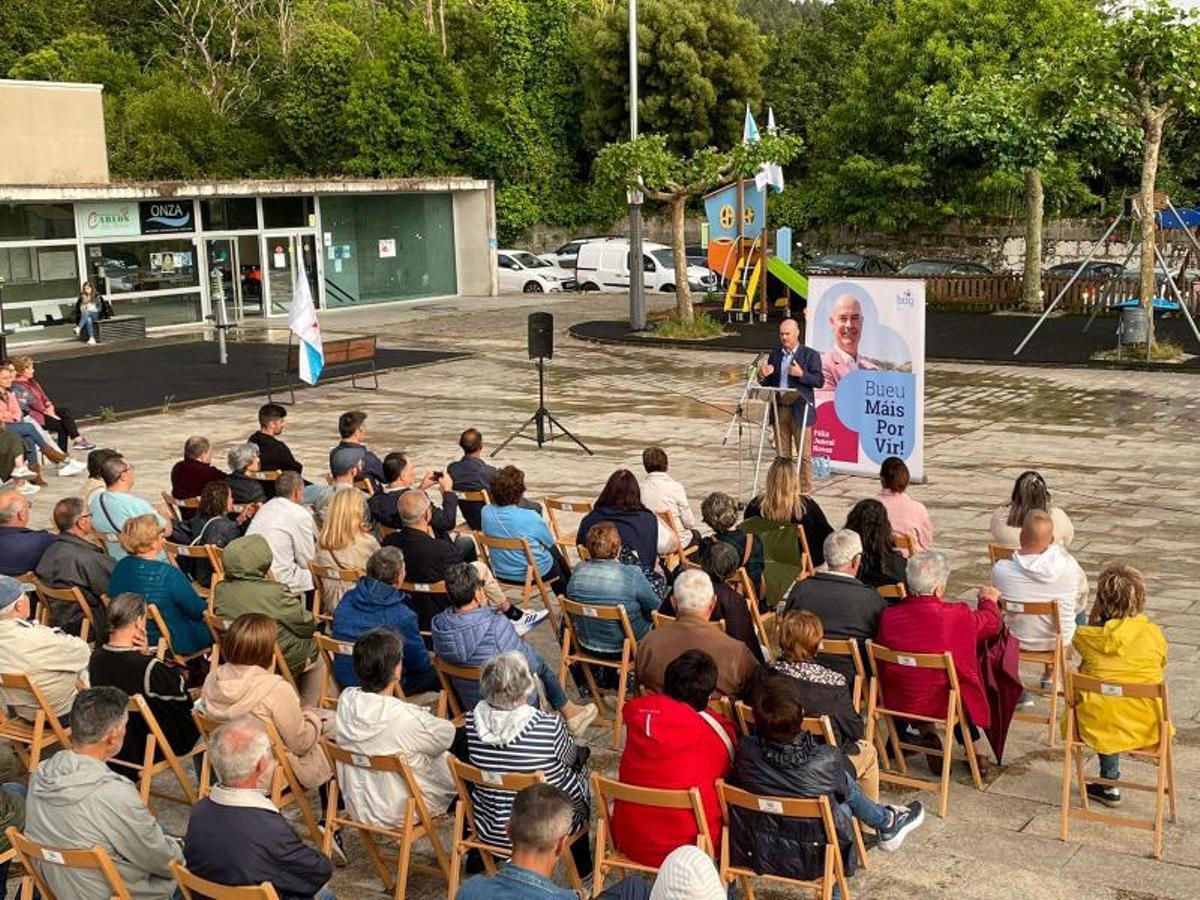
<point x="756" y="279"/>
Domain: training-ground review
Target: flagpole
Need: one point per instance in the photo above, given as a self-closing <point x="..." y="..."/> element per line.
<point x="637" y="283"/>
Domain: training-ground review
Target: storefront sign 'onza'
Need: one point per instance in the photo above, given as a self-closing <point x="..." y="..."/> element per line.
<point x="158" y="216"/>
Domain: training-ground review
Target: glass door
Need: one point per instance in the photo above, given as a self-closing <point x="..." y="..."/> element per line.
<point x="223" y="276"/>
<point x="282" y="253"/>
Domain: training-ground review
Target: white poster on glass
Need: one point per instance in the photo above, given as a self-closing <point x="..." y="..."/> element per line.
<point x="871" y="336"/>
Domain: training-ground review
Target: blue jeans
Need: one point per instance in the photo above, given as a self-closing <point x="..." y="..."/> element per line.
<point x="30" y="437"/>
<point x="87" y="323"/>
<point x="1110" y="765"/>
<point x="555" y="695"/>
<point x="865" y="810"/>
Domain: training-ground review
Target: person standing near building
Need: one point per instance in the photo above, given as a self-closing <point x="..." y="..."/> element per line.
<point x="797" y="369"/>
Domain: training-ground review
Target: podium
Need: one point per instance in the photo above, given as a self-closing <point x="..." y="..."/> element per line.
<point x="769" y="397"/>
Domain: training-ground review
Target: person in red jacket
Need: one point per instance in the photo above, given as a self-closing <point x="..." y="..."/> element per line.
<point x="923" y="622"/>
<point x="673" y="742"/>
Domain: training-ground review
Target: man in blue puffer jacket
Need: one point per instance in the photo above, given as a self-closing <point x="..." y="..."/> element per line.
<point x="376" y="601"/>
<point x="471" y="633"/>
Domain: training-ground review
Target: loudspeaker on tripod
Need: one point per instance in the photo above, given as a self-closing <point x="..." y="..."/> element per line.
<point x="541" y="335"/>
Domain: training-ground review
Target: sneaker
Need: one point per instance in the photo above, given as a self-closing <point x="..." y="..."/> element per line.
<point x="1104" y="793"/>
<point x="91" y="341"/>
<point x="904" y="820"/>
<point x="530" y="620"/>
<point x="1027" y="700"/>
<point x="22" y="472"/>
<point x="26" y="488"/>
<point x="339" y="849"/>
<point x="71" y="467"/>
<point x="76" y="329"/>
<point x="84" y="444"/>
<point x="578" y="723"/>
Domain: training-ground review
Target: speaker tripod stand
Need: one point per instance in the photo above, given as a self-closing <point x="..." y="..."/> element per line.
<point x="542" y="420"/>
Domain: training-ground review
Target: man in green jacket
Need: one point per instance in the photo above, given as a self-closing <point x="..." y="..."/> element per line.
<point x="247" y="589"/>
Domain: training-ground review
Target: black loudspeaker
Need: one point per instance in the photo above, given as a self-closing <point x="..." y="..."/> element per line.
<point x="541" y="335"/>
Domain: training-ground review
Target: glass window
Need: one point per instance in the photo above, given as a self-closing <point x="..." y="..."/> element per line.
<point x="40" y="286"/>
<point x="288" y="212"/>
<point x="123" y="267"/>
<point x="236" y="214"/>
<point x="422" y="227"/>
<point x="36" y="221"/>
<point x="170" y="309"/>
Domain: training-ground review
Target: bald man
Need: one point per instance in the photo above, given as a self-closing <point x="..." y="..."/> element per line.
<point x="21" y="547"/>
<point x="797" y="368"/>
<point x="846" y="322"/>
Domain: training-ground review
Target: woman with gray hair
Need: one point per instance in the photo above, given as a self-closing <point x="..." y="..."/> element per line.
<point x="720" y="513"/>
<point x="506" y="734"/>
<point x="243" y="462"/>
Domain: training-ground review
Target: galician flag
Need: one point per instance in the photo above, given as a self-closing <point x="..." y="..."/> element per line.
<point x="302" y="320"/>
<point x="770" y="173"/>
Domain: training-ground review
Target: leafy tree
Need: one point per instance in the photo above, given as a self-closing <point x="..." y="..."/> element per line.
<point x="1145" y="72"/>
<point x="666" y="176"/>
<point x="312" y="97"/>
<point x="699" y="64"/>
<point x="80" y="57"/>
<point x="28" y="25"/>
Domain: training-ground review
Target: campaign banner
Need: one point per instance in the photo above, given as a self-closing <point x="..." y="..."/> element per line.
<point x="870" y="333"/>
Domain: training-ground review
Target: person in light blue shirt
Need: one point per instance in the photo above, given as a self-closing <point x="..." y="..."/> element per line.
<point x="503" y="518"/>
<point x="115" y="505"/>
<point x="604" y="580"/>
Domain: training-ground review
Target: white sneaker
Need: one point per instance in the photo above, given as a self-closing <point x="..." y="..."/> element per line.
<point x="578" y="723"/>
<point x="71" y="467"/>
<point x="91" y="340"/>
<point x="76" y="329"/>
<point x="26" y="488"/>
<point x="22" y="472"/>
<point x="530" y="620"/>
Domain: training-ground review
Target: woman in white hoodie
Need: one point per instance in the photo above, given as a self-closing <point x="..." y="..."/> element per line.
<point x="370" y="720"/>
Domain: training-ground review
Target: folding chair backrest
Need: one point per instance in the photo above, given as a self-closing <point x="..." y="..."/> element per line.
<point x="848" y="647"/>
<point x="70" y="595"/>
<point x="194" y="887"/>
<point x="467" y="776"/>
<point x="880" y="655"/>
<point x="895" y="591"/>
<point x="1047" y="609"/>
<point x="904" y="542"/>
<point x="329" y="648"/>
<point x="426" y="599"/>
<point x="785" y="560"/>
<point x="346" y="578"/>
<point x="269" y="475"/>
<point x="554" y="507"/>
<point x="17" y="681"/>
<point x="662" y="620"/>
<point x="209" y="553"/>
<point x="1085" y="684"/>
<point x="219" y="625"/>
<point x="446" y="673"/>
<point x="614" y="613"/>
<point x="172" y="506"/>
<point x="997" y="553"/>
<point x="818" y="726"/>
<point x="608" y="790"/>
<point x="95" y="859"/>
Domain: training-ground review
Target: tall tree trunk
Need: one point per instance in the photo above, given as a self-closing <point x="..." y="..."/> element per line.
<point x="1152" y="129"/>
<point x="683" y="292"/>
<point x="1031" y="296"/>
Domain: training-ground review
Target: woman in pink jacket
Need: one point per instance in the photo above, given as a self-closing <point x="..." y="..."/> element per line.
<point x="37" y="406"/>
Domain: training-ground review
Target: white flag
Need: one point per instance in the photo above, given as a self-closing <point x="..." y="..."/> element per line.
<point x="302" y="320"/>
<point x="773" y="172"/>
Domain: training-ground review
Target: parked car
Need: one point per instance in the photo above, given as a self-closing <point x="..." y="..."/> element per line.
<point x="1097" y="268"/>
<point x="924" y="268"/>
<point x="520" y="270"/>
<point x="566" y="255"/>
<point x="604" y="266"/>
<point x="696" y="255"/>
<point x="850" y="264"/>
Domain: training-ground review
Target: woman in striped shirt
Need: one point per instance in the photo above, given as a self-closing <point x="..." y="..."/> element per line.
<point x="506" y="734"/>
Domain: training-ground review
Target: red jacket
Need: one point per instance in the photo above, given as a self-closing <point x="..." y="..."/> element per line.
<point x="925" y="624"/>
<point x="189" y="477"/>
<point x="39" y="403"/>
<point x="669" y="745"/>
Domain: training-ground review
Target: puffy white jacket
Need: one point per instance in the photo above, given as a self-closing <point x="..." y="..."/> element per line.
<point x="1052" y="575"/>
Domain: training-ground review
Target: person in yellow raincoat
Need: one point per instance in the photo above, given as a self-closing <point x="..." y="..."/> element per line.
<point x="1119" y="644"/>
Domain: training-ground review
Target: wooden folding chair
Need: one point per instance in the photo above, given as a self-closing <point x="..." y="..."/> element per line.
<point x="608" y="855"/>
<point x="1054" y="659"/>
<point x="269" y="475"/>
<point x="193" y="887"/>
<point x="365" y="485"/>
<point x="326" y="596"/>
<point x="395" y="878"/>
<point x="208" y="553"/>
<point x="807" y="569"/>
<point x="997" y="553"/>
<point x="174" y="512"/>
<point x="95" y="859"/>
<point x="30" y="739"/>
<point x="449" y="704"/>
<point x="159" y="757"/>
<point x="533" y="579"/>
<point x="471" y="497"/>
<point x="678" y="553"/>
<point x="427" y="599"/>
<point x="69" y="595"/>
<point x="741" y="582"/>
<point x="565" y="539"/>
<point x="218" y="625"/>
<point x="849" y="648"/>
<point x="890" y="592"/>
<point x="166" y="643"/>
<point x="793" y="808"/>
<point x="661" y="620"/>
<point x="904" y="542"/>
<point x="1160" y="754"/>
<point x="573" y="651"/>
<point x="468" y="778"/>
<point x="877" y="709"/>
<point x="328" y="648"/>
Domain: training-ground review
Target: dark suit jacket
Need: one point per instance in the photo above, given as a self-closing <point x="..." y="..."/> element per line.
<point x="846" y="607"/>
<point x="813" y="377"/>
<point x="426" y="559"/>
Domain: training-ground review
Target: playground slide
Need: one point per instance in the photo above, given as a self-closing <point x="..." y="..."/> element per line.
<point x="788" y="276"/>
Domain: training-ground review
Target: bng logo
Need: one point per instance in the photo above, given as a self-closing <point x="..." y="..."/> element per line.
<point x="905" y="299"/>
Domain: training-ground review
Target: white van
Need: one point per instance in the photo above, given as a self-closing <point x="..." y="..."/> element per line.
<point x="604" y="266"/>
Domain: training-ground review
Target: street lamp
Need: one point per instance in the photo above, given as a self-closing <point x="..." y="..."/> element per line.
<point x="637" y="287"/>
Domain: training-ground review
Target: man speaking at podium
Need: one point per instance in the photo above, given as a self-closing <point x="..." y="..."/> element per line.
<point x="797" y="368"/>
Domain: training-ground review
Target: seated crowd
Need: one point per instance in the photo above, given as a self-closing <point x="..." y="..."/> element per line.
<point x="228" y="649"/>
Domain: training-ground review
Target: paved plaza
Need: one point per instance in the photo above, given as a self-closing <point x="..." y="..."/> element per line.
<point x="1117" y="449"/>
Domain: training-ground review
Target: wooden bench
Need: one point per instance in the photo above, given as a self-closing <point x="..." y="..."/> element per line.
<point x="342" y="352"/>
<point x="120" y="328"/>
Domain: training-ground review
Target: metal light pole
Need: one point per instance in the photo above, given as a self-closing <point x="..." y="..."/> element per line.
<point x="637" y="287"/>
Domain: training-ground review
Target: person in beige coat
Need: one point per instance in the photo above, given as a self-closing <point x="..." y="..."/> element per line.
<point x="345" y="542"/>
<point x="54" y="661"/>
<point x="243" y="685"/>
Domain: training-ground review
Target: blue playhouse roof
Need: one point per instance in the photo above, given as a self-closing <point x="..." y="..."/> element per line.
<point x="1188" y="218"/>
